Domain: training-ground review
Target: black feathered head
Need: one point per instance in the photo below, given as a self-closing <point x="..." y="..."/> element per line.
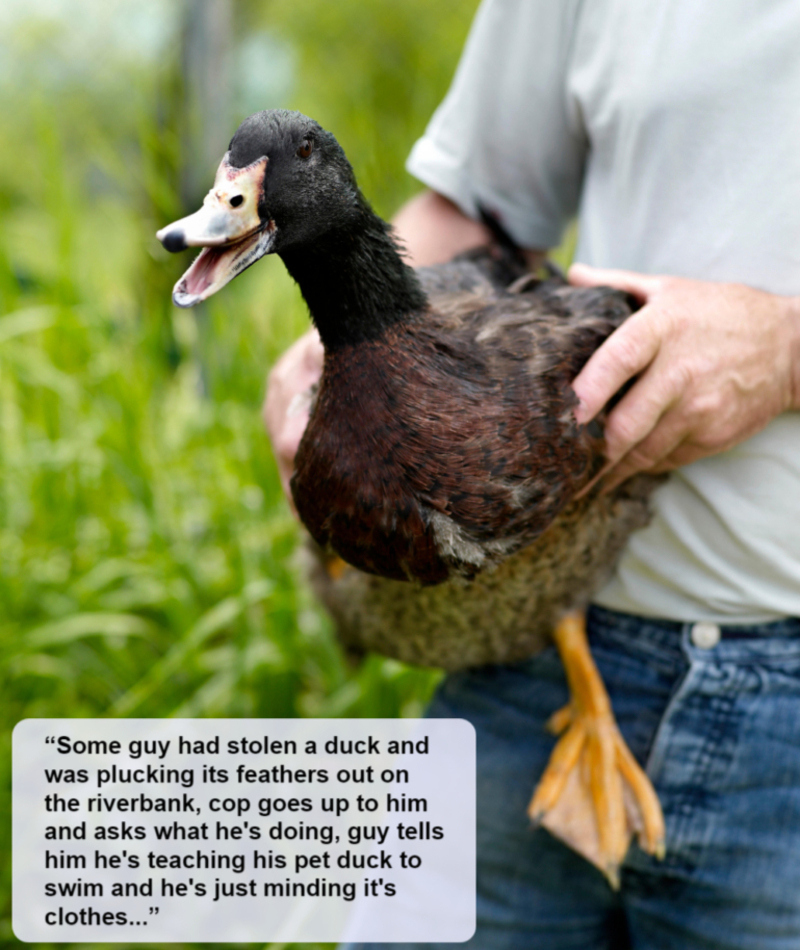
<point x="283" y="181"/>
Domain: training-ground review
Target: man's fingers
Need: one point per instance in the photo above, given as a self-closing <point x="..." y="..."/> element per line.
<point x="652" y="454"/>
<point x="642" y="286"/>
<point x="627" y="352"/>
<point x="644" y="409"/>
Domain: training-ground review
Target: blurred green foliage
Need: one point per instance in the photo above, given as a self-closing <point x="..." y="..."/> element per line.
<point x="146" y="551"/>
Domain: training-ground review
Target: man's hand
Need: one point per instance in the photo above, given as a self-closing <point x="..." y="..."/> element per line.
<point x="285" y="409"/>
<point x="716" y="362"/>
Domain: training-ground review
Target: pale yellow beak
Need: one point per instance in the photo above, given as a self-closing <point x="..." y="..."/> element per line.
<point x="228" y="227"/>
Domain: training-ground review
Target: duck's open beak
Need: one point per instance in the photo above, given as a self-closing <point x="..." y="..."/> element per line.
<point x="229" y="229"/>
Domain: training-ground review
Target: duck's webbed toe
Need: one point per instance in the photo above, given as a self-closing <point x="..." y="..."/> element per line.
<point x="593" y="795"/>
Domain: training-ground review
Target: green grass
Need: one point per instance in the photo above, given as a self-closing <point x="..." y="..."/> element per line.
<point x="146" y="550"/>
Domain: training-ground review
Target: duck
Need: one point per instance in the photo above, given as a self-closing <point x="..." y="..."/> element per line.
<point x="451" y="497"/>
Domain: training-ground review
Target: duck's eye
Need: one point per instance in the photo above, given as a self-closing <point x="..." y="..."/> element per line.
<point x="305" y="149"/>
<point x="236" y="201"/>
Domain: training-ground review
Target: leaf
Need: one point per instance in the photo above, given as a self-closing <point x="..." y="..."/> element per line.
<point x="40" y="664"/>
<point x="87" y="625"/>
<point x="106" y="573"/>
<point x="32" y="366"/>
<point x="221" y="615"/>
<point x="212" y="695"/>
<point x="28" y="320"/>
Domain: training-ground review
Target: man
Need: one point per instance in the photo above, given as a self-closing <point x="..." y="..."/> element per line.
<point x="671" y="128"/>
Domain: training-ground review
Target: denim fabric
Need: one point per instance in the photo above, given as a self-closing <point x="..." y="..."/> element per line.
<point x="719" y="730"/>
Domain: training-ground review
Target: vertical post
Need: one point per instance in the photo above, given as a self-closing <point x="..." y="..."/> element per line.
<point x="207" y="50"/>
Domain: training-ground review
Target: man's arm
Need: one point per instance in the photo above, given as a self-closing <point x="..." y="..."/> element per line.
<point x="431" y="230"/>
<point x="716" y="362"/>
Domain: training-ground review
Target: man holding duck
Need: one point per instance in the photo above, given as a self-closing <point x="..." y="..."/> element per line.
<point x="672" y="133"/>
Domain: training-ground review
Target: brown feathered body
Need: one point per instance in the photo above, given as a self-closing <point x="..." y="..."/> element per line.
<point x="442" y="461"/>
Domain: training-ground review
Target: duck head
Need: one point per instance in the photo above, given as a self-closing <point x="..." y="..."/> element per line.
<point x="284" y="181"/>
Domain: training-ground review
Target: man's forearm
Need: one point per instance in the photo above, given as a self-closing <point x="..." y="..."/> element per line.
<point x="432" y="230"/>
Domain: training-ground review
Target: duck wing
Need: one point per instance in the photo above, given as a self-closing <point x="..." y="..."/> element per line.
<point x="486" y="271"/>
<point x="499" y="404"/>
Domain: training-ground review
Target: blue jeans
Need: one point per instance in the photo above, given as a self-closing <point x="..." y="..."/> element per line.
<point x="719" y="730"/>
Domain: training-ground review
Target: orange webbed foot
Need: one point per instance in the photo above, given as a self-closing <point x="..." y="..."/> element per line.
<point x="593" y="795"/>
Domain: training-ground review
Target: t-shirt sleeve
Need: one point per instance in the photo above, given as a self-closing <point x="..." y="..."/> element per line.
<point x="506" y="135"/>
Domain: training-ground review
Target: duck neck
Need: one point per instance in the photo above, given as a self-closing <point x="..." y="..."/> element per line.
<point x="354" y="282"/>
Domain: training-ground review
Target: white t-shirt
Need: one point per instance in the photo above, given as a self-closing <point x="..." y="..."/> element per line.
<point x="672" y="128"/>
